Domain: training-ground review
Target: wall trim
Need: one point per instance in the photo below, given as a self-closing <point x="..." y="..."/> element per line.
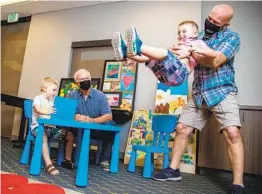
<point x="93" y="43"/>
<point x="246" y="107"/>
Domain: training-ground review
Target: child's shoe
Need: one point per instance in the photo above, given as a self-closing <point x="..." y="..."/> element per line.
<point x="119" y="47"/>
<point x="133" y="42"/>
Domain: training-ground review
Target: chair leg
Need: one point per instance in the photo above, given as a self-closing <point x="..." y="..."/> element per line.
<point x="35" y="166"/>
<point x="132" y="162"/>
<point x="61" y="153"/>
<point x="147" y="171"/>
<point x="152" y="162"/>
<point x="165" y="162"/>
<point x="26" y="153"/>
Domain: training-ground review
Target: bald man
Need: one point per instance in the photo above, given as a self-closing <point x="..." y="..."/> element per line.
<point x="214" y="92"/>
<point x="92" y="107"/>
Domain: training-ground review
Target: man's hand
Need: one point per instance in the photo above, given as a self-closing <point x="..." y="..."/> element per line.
<point x="205" y="56"/>
<point x="183" y="53"/>
<point x="175" y="49"/>
<point x="204" y="51"/>
<point x="88" y="119"/>
<point x="80" y="118"/>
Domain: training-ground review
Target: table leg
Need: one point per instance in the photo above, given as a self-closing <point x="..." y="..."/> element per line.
<point x="35" y="165"/>
<point x="115" y="153"/>
<point x="82" y="170"/>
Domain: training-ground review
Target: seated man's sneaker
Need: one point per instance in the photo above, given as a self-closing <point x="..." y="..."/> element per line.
<point x="237" y="189"/>
<point x="168" y="174"/>
<point x="119" y="47"/>
<point x="133" y="42"/>
<point x="67" y="164"/>
<point x="105" y="165"/>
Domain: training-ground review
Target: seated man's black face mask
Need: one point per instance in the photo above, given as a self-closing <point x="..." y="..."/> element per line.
<point x="85" y="85"/>
<point x="211" y="28"/>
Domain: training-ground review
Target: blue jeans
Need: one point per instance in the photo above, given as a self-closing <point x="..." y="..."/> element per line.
<point x="108" y="138"/>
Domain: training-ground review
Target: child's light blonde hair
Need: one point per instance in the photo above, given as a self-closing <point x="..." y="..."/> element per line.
<point x="46" y="81"/>
<point x="194" y="24"/>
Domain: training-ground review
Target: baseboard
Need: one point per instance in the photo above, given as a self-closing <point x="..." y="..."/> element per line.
<point x="227" y="173"/>
<point x="14" y="137"/>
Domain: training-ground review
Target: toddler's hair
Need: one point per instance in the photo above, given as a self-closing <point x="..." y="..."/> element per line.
<point x="47" y="81"/>
<point x="194" y="24"/>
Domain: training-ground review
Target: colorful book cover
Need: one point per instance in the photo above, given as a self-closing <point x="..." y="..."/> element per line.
<point x="170" y="99"/>
<point x="140" y="133"/>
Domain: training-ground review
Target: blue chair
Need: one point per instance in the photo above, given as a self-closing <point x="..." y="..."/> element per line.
<point x="162" y="126"/>
<point x="31" y="139"/>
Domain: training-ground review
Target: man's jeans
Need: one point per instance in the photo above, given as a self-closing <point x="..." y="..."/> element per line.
<point x="107" y="137"/>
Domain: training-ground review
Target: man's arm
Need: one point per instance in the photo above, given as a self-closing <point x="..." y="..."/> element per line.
<point x="215" y="58"/>
<point x="102" y="119"/>
<point x="106" y="114"/>
<point x="209" y="58"/>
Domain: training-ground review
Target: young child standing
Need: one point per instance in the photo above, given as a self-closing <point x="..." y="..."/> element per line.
<point x="43" y="107"/>
<point x="168" y="68"/>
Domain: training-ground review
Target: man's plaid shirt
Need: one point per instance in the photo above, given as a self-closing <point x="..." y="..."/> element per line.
<point x="213" y="85"/>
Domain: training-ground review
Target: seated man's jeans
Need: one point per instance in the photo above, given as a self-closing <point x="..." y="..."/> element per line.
<point x="106" y="136"/>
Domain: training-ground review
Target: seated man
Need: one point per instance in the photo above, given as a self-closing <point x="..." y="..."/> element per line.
<point x="92" y="107"/>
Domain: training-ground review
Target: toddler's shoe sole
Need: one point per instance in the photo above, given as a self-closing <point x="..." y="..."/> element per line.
<point x="116" y="44"/>
<point x="130" y="41"/>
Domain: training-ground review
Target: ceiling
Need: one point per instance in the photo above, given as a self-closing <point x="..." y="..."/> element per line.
<point x="31" y="7"/>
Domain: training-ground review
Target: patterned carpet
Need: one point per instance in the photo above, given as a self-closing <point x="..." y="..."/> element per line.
<point x="124" y="182"/>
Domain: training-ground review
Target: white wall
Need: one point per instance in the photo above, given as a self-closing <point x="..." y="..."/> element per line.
<point x="247" y="22"/>
<point x="48" y="51"/>
<point x="48" y="46"/>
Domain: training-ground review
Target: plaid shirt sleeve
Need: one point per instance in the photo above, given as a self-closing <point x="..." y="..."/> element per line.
<point x="230" y="45"/>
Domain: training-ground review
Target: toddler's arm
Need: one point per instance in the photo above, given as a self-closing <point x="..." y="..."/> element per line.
<point x="37" y="105"/>
<point x="43" y="111"/>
